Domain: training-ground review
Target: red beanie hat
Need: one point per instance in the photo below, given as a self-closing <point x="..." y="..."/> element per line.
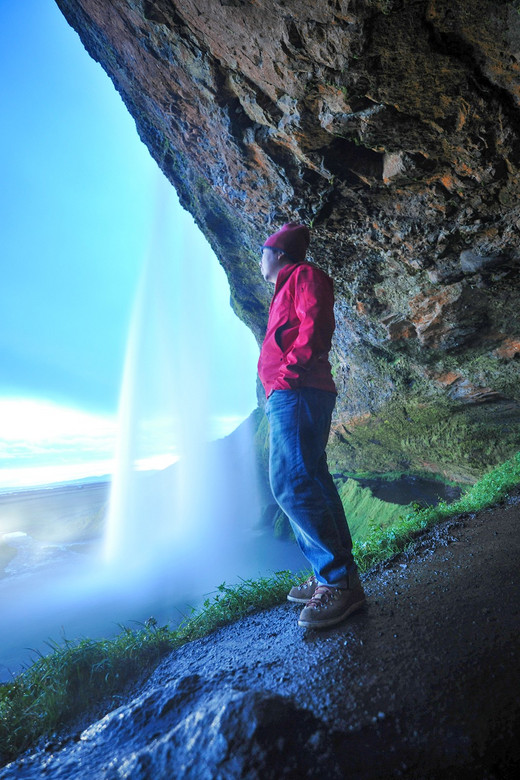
<point x="292" y="239"/>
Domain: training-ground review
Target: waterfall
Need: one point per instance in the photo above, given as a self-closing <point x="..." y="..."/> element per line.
<point x="181" y="519"/>
<point x="172" y="535"/>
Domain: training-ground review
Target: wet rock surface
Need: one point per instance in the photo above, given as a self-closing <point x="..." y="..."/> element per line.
<point x="421" y="684"/>
<point x="392" y="128"/>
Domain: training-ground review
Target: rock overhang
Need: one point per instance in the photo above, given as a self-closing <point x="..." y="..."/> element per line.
<point x="390" y="127"/>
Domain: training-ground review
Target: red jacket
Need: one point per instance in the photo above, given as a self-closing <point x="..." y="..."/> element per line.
<point x="299" y="331"/>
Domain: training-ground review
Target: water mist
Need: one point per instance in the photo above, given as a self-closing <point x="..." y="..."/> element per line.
<point x="172" y="535"/>
<point x="177" y="530"/>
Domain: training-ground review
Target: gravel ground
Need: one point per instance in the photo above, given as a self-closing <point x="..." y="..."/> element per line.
<point x="422" y="683"/>
<point x="425" y="680"/>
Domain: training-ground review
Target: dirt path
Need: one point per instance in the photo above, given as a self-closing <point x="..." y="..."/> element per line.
<point x="422" y="684"/>
<point x="426" y="678"/>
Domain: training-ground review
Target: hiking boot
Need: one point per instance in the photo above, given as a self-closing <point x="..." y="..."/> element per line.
<point x="329" y="606"/>
<point x="301" y="594"/>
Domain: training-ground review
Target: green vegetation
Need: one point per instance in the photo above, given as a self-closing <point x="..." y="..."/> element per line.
<point x="76" y="677"/>
<point x="72" y="678"/>
<point x="383" y="543"/>
<point x="486" y="368"/>
<point x="394" y="476"/>
<point x="360" y="506"/>
<point x="364" y="510"/>
<point x="461" y="443"/>
<point x="262" y="437"/>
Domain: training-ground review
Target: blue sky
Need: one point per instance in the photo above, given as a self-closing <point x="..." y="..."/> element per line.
<point x="83" y="208"/>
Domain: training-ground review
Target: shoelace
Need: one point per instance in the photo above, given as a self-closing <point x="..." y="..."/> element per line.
<point x="322" y="595"/>
<point x="307" y="583"/>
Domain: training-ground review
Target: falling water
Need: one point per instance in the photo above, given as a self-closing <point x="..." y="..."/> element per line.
<point x="177" y="534"/>
<point x="172" y="535"/>
<point x="177" y="529"/>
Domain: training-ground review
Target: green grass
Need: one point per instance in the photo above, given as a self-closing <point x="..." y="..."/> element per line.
<point x="383" y="543"/>
<point x="76" y="677"/>
<point x="394" y="476"/>
<point x="361" y="506"/>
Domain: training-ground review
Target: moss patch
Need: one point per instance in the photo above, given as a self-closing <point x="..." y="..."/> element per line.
<point x="383" y="543"/>
<point x="487" y="369"/>
<point x="364" y="511"/>
<point x="461" y="443"/>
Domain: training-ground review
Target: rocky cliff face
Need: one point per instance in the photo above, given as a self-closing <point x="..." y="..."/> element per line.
<point x="392" y="128"/>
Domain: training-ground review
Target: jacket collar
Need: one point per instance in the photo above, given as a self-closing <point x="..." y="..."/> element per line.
<point x="283" y="274"/>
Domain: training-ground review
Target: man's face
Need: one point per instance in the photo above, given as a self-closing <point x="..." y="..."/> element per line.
<point x="270" y="264"/>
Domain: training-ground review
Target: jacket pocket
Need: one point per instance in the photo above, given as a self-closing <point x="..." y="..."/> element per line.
<point x="278" y="335"/>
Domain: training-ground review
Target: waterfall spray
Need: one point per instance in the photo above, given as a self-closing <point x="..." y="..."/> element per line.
<point x="185" y="520"/>
<point x="172" y="536"/>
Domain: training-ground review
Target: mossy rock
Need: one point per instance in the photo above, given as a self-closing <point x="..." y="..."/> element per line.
<point x="458" y="442"/>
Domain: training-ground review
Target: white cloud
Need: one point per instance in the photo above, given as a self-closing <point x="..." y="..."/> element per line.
<point x="42" y="442"/>
<point x="46" y="475"/>
<point x="38" y="422"/>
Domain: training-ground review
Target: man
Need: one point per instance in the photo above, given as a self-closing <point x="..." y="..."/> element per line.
<point x="296" y="375"/>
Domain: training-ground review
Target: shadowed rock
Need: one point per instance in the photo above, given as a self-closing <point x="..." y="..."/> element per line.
<point x="197" y="730"/>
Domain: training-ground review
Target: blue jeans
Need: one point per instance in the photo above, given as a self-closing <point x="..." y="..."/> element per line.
<point x="299" y="425"/>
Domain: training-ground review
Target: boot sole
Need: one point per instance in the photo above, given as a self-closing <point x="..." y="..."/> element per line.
<point x="332" y="621"/>
<point x="296" y="600"/>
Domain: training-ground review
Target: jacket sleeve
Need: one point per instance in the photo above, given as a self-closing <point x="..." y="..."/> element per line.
<point x="314" y="305"/>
